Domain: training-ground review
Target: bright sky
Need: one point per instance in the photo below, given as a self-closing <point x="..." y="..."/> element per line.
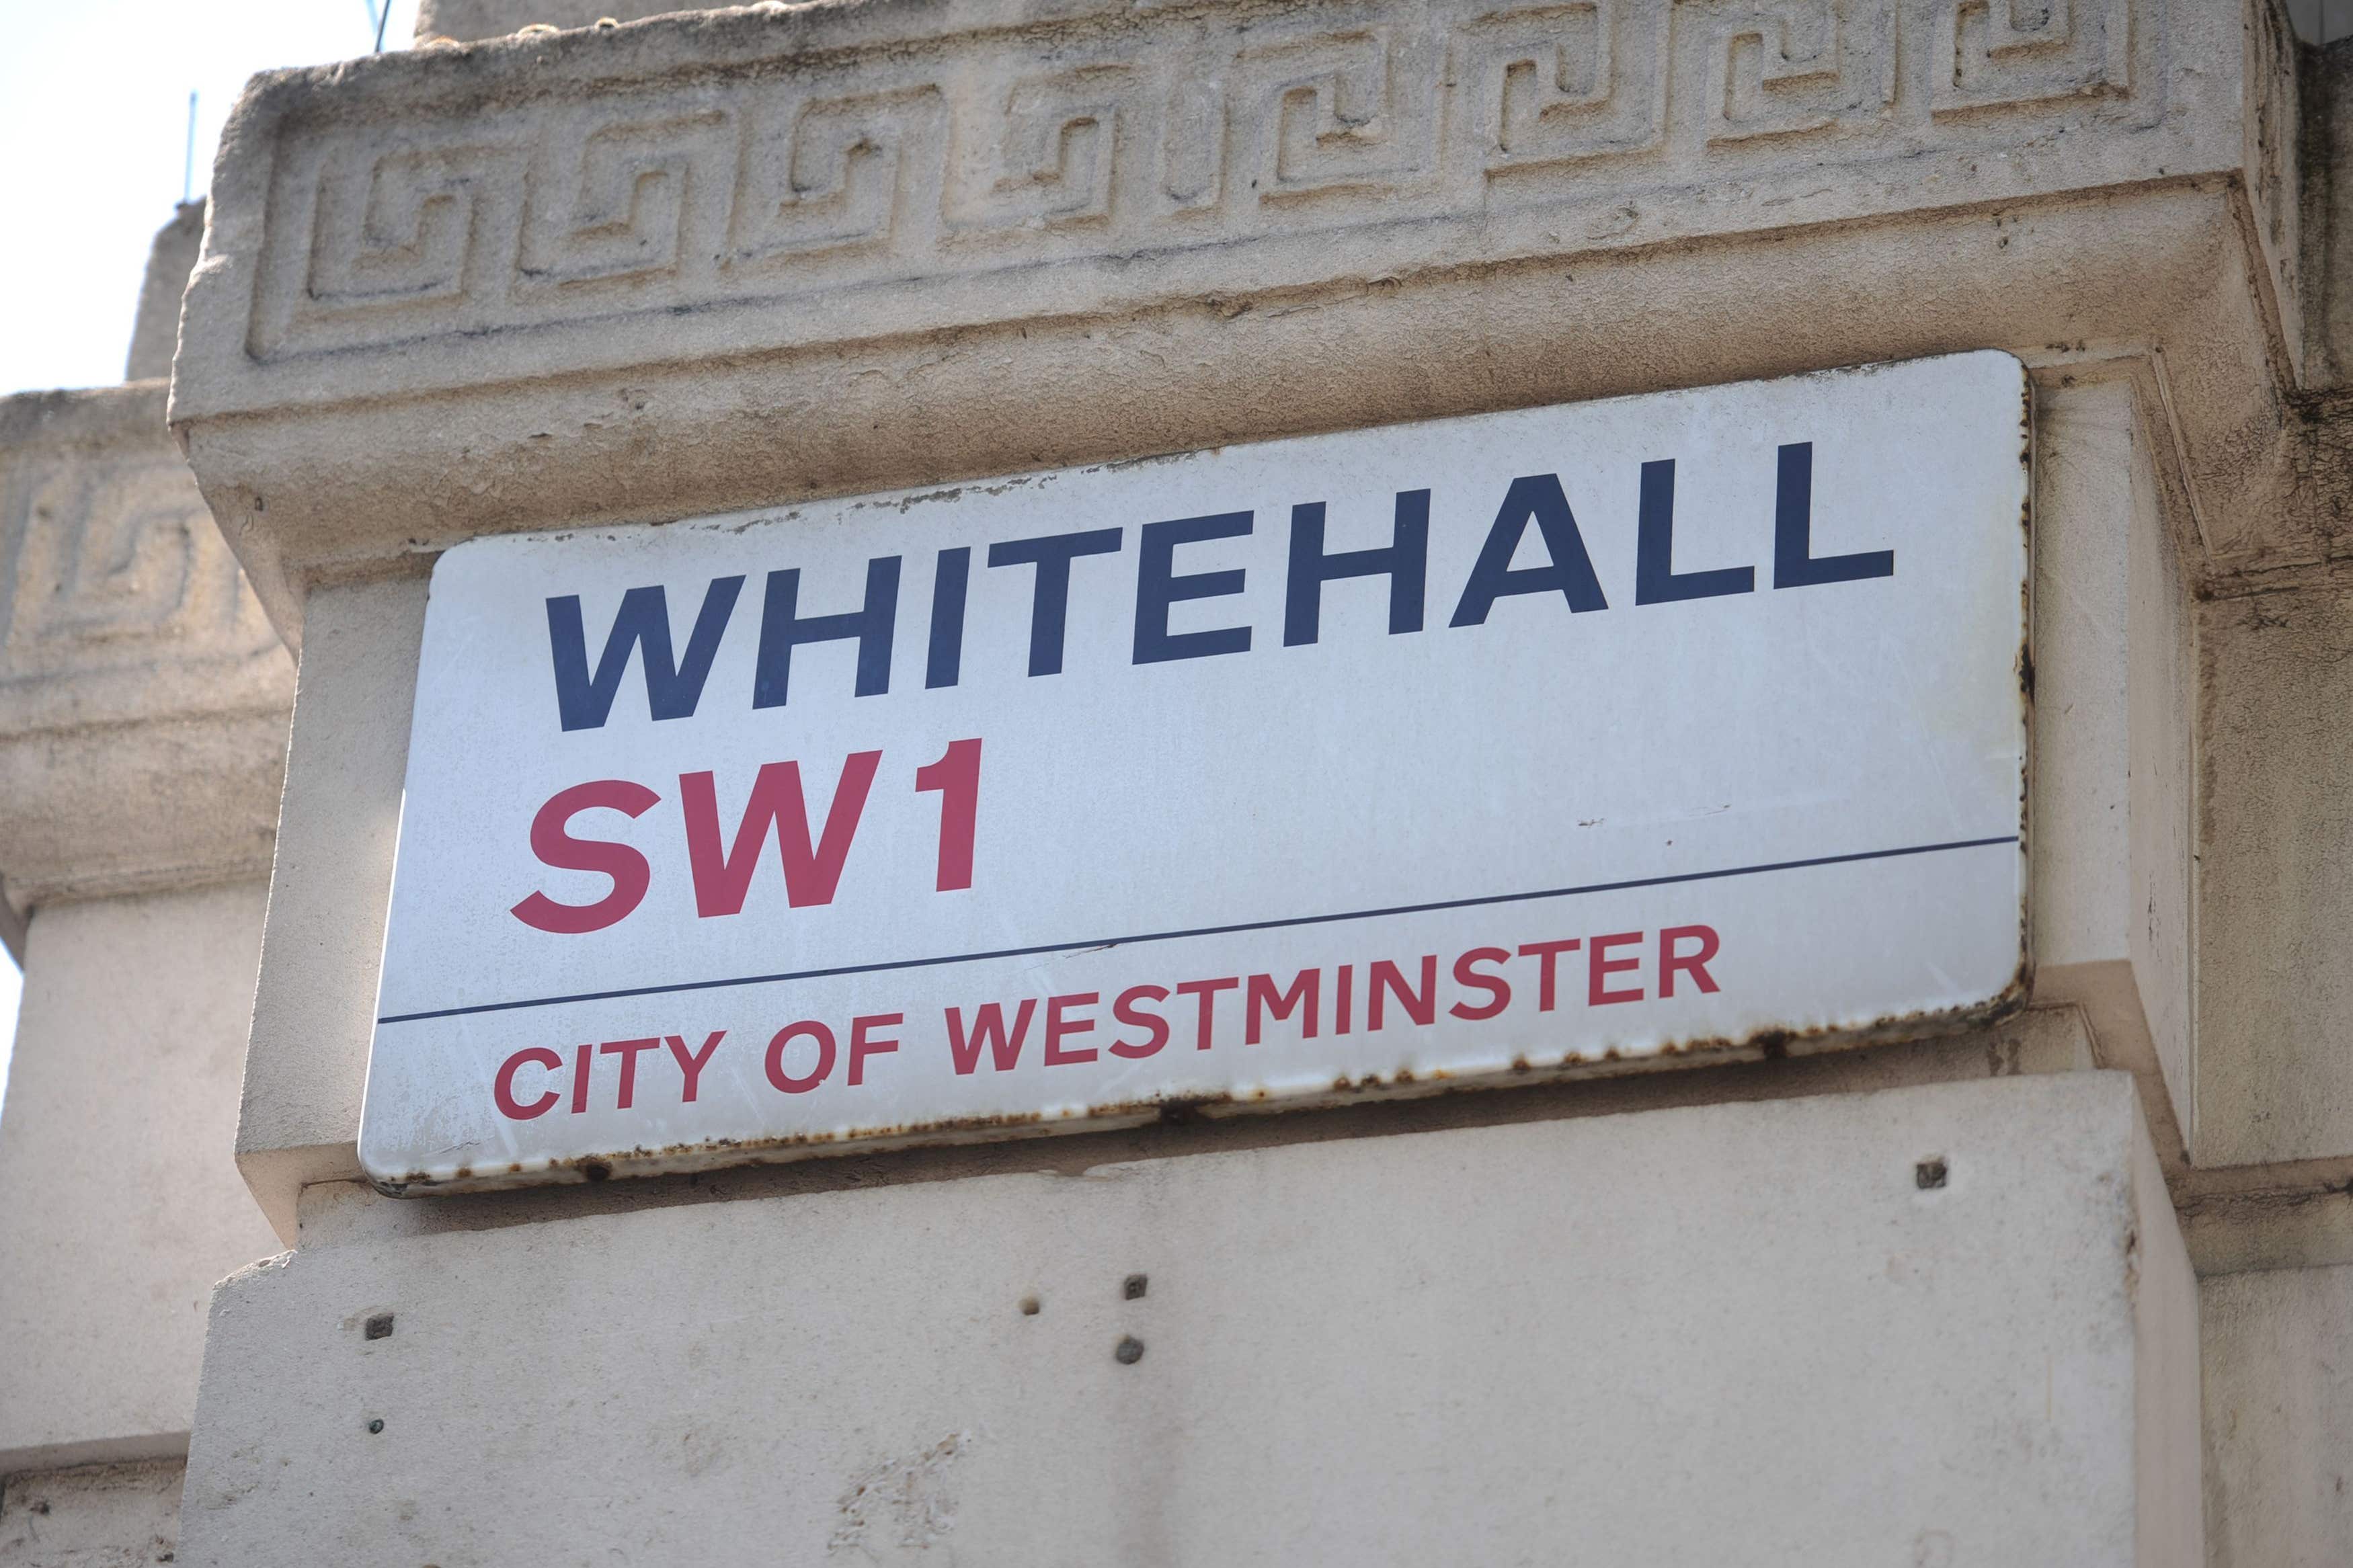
<point x="94" y="107"/>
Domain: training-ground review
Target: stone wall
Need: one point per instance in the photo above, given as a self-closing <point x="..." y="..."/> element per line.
<point x="143" y="703"/>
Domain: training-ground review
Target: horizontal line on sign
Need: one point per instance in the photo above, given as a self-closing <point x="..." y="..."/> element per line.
<point x="1051" y="947"/>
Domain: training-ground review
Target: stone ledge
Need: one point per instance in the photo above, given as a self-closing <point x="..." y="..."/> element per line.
<point x="98" y="1516"/>
<point x="728" y="259"/>
<point x="1719" y="1305"/>
<point x="144" y="694"/>
<point x="687" y="186"/>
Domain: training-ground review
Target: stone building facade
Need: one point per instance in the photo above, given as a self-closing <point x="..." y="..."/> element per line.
<point x="616" y="270"/>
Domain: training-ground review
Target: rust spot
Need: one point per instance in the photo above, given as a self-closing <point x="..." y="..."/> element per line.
<point x="689" y="1159"/>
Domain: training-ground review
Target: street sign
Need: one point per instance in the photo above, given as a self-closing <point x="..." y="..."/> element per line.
<point x="1444" y="751"/>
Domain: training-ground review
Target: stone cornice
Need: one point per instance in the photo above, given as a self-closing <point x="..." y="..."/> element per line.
<point x="722" y="258"/>
<point x="142" y="693"/>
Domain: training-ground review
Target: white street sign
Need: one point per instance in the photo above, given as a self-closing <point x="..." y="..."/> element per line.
<point x="1439" y="751"/>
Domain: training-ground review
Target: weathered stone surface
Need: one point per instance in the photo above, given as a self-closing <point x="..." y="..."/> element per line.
<point x="142" y="692"/>
<point x="574" y="184"/>
<point x="119" y="1206"/>
<point x="2279" y="1418"/>
<point x="1742" y="1329"/>
<point x="2326" y="219"/>
<point x="314" y="1007"/>
<point x="2113" y="721"/>
<point x="2276" y="1082"/>
<point x="98" y="1516"/>
<point x="721" y="259"/>
<point x="467" y="21"/>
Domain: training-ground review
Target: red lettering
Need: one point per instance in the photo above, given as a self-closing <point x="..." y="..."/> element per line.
<point x="1343" y="997"/>
<point x="1156" y="1028"/>
<point x="861" y="1047"/>
<point x="1694" y="964"/>
<point x="628" y="1051"/>
<point x="1545" y="954"/>
<point x="989" y="1029"/>
<point x="580" y="1061"/>
<point x="1386" y="981"/>
<point x="1207" y="990"/>
<point x="786" y="1036"/>
<point x="1263" y="998"/>
<point x="555" y="846"/>
<point x="1499" y="994"/>
<point x="503" y="1087"/>
<point x="1057" y="1027"/>
<point x="956" y="776"/>
<point x="1600" y="966"/>
<point x="690" y="1063"/>
<point x="723" y="878"/>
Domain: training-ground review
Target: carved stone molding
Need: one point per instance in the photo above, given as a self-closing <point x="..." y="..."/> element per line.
<point x="142" y="692"/>
<point x="518" y="283"/>
<point x="801" y="157"/>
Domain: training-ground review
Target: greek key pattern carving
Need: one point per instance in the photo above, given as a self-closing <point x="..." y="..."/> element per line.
<point x="118" y="566"/>
<point x="1136" y="131"/>
<point x="1994" y="53"/>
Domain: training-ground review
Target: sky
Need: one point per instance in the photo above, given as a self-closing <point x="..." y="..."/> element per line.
<point x="94" y="100"/>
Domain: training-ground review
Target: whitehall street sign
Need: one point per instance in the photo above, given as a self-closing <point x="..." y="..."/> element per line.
<point x="1443" y="751"/>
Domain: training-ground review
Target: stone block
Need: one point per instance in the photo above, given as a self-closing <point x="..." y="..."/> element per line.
<point x="2279" y="1418"/>
<point x="1940" y="1326"/>
<point x="2275" y="890"/>
<point x="120" y="1205"/>
<point x="96" y="1516"/>
<point x="314" y="1009"/>
<point x="2109" y="814"/>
